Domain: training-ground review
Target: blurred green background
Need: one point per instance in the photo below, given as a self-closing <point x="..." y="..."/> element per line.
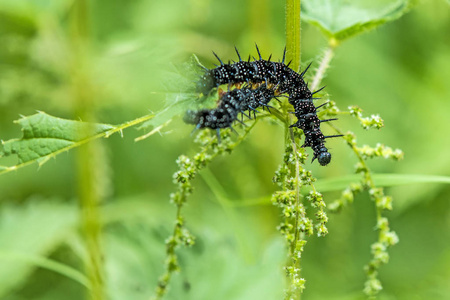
<point x="401" y="71"/>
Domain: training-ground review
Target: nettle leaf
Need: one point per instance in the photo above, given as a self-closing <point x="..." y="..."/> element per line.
<point x="45" y="136"/>
<point x="341" y="19"/>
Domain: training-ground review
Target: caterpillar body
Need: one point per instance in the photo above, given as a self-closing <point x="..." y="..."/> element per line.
<point x="257" y="82"/>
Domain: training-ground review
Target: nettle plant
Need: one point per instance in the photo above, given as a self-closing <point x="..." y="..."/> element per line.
<point x="46" y="136"/>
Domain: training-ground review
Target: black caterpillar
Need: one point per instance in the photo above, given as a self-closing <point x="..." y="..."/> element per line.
<point x="271" y="79"/>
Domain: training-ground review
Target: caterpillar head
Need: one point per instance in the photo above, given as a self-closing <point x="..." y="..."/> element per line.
<point x="323" y="156"/>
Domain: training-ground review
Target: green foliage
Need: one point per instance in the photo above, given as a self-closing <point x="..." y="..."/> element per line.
<point x="45" y="136"/>
<point x="27" y="235"/>
<point x="133" y="63"/>
<point x="137" y="248"/>
<point x="341" y="19"/>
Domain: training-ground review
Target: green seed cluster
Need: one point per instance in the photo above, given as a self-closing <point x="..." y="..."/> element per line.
<point x="347" y="197"/>
<point x="386" y="237"/>
<point x="295" y="225"/>
<point x="380" y="150"/>
<point x="374" y="121"/>
<point x="187" y="170"/>
<point x="331" y="109"/>
<point x="316" y="200"/>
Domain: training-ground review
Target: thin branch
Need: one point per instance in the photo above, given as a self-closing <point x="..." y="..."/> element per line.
<point x="323" y="67"/>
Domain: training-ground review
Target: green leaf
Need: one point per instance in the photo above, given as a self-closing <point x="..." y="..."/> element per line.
<point x="134" y="251"/>
<point x="45" y="136"/>
<point x="341" y="19"/>
<point x="28" y="233"/>
<point x="30" y="261"/>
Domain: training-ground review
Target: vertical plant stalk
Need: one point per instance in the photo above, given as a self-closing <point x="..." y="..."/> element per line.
<point x="297" y="283"/>
<point x="290" y="177"/>
<point x="297" y="191"/>
<point x="296" y="226"/>
<point x="293" y="53"/>
<point x="293" y="37"/>
<point x="90" y="217"/>
<point x="89" y="165"/>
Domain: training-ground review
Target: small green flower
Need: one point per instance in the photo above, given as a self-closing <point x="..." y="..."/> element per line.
<point x="374" y="121"/>
<point x="322" y="230"/>
<point x="172" y="263"/>
<point x="384" y="202"/>
<point x="331" y="108"/>
<point x="350" y="138"/>
<point x="372" y="287"/>
<point x="383" y="224"/>
<point x="355" y="111"/>
<point x="391" y="238"/>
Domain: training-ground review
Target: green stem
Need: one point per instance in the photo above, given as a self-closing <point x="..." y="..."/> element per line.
<point x="293" y="38"/>
<point x="89" y="163"/>
<point x="90" y="217"/>
<point x="297" y="189"/>
<point x="323" y="67"/>
<point x="293" y="55"/>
